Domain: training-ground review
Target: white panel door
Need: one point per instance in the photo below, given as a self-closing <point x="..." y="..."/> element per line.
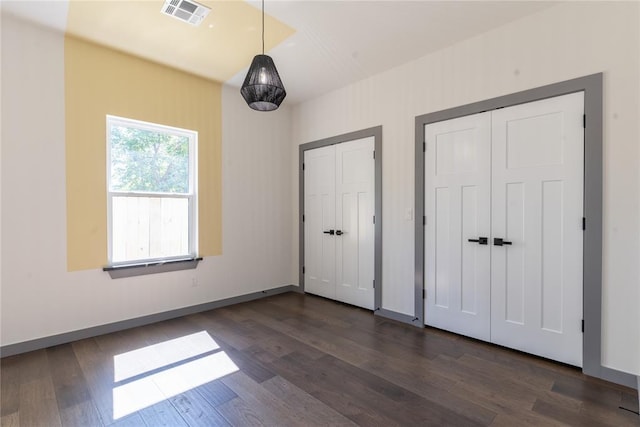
<point x="339" y="234"/>
<point x="355" y="196"/>
<point x="457" y="209"/>
<point x="319" y="202"/>
<point x="537" y="208"/>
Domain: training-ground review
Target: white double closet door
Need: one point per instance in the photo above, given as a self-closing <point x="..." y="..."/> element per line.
<point x="503" y="237"/>
<point x="339" y="203"/>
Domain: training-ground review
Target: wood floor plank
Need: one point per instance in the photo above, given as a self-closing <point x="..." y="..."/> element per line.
<point x="353" y="315"/>
<point x="407" y="407"/>
<point x="217" y="329"/>
<point x="607" y="417"/>
<point x="173" y="328"/>
<point x="354" y="353"/>
<point x="38" y="406"/>
<point x="408" y="359"/>
<point x="196" y="411"/>
<point x="413" y="339"/>
<point x="443" y="392"/>
<point x="253" y="368"/>
<point x="10" y="420"/>
<point x="34" y="366"/>
<point x="500" y="404"/>
<point x="238" y="413"/>
<point x="516" y="360"/>
<point x="216" y="393"/>
<point x="565" y="415"/>
<point x="342" y="388"/>
<point x="496" y="391"/>
<point x="505" y="373"/>
<point x="10" y="385"/>
<point x="298" y="398"/>
<point x="315" y="337"/>
<point x="162" y="414"/>
<point x="304" y="361"/>
<point x="274" y="342"/>
<point x="279" y="344"/>
<point x="120" y="342"/>
<point x="68" y="380"/>
<point x="269" y="405"/>
<point x="480" y="378"/>
<point x="394" y="338"/>
<point x="587" y="392"/>
<point x="324" y="314"/>
<point x="97" y="368"/>
<point x="133" y="420"/>
<point x="366" y="338"/>
<point x="504" y="420"/>
<point x="264" y="356"/>
<point x="83" y="414"/>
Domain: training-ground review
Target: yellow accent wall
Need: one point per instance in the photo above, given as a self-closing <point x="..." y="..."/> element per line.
<point x="101" y="81"/>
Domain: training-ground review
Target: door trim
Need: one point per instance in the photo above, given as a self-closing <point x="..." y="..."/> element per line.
<point x="376" y="133"/>
<point x="592" y="245"/>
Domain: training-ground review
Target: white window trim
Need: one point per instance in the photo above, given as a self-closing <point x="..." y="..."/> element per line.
<point x="191" y="196"/>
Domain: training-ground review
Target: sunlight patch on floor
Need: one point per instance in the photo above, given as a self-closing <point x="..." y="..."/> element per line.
<point x="141" y="393"/>
<point x="136" y="362"/>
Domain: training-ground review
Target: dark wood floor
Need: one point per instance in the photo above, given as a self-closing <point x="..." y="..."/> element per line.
<point x="306" y="361"/>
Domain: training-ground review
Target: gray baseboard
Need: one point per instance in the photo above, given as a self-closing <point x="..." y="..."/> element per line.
<point x="393" y="315"/>
<point x="39" y="343"/>
<point x="618" y="377"/>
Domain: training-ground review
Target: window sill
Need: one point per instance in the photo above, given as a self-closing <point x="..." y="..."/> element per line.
<point x="131" y="270"/>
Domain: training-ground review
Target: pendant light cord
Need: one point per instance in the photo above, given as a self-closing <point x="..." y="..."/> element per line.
<point x="263" y="27"/>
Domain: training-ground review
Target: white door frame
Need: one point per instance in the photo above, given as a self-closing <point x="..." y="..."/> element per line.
<point x="592" y="248"/>
<point x="376" y="133"/>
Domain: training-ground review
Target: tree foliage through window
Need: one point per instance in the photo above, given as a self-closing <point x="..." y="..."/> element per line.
<point x="148" y="161"/>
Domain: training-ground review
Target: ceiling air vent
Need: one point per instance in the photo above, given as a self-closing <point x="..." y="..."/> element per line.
<point x="185" y="10"/>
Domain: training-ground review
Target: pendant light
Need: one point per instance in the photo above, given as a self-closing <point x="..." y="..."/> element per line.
<point x="262" y="88"/>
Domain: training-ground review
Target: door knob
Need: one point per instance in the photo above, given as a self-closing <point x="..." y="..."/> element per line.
<point x="329" y="232"/>
<point x="480" y="240"/>
<point x="339" y="232"/>
<point x="499" y="242"/>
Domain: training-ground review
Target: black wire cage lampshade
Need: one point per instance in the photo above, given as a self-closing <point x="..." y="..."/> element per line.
<point x="262" y="88"/>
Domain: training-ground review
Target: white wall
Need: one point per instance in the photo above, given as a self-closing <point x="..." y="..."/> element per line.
<point x="560" y="43"/>
<point x="38" y="296"/>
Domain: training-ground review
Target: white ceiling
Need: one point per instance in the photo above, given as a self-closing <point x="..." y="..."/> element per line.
<point x="339" y="42"/>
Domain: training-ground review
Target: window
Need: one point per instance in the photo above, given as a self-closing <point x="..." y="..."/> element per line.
<point x="151" y="190"/>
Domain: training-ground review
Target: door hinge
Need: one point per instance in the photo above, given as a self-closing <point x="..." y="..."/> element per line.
<point x="424" y="294"/>
<point x="303" y="269"/>
<point x="374" y="283"/>
<point x="374" y="219"/>
<point x="374" y="154"/>
<point x="424" y="220"/>
<point x="302" y="217"/>
<point x="302" y="165"/>
<point x="584" y="223"/>
<point x="424" y="146"/>
<point x="584" y="121"/>
<point x="582" y="325"/>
